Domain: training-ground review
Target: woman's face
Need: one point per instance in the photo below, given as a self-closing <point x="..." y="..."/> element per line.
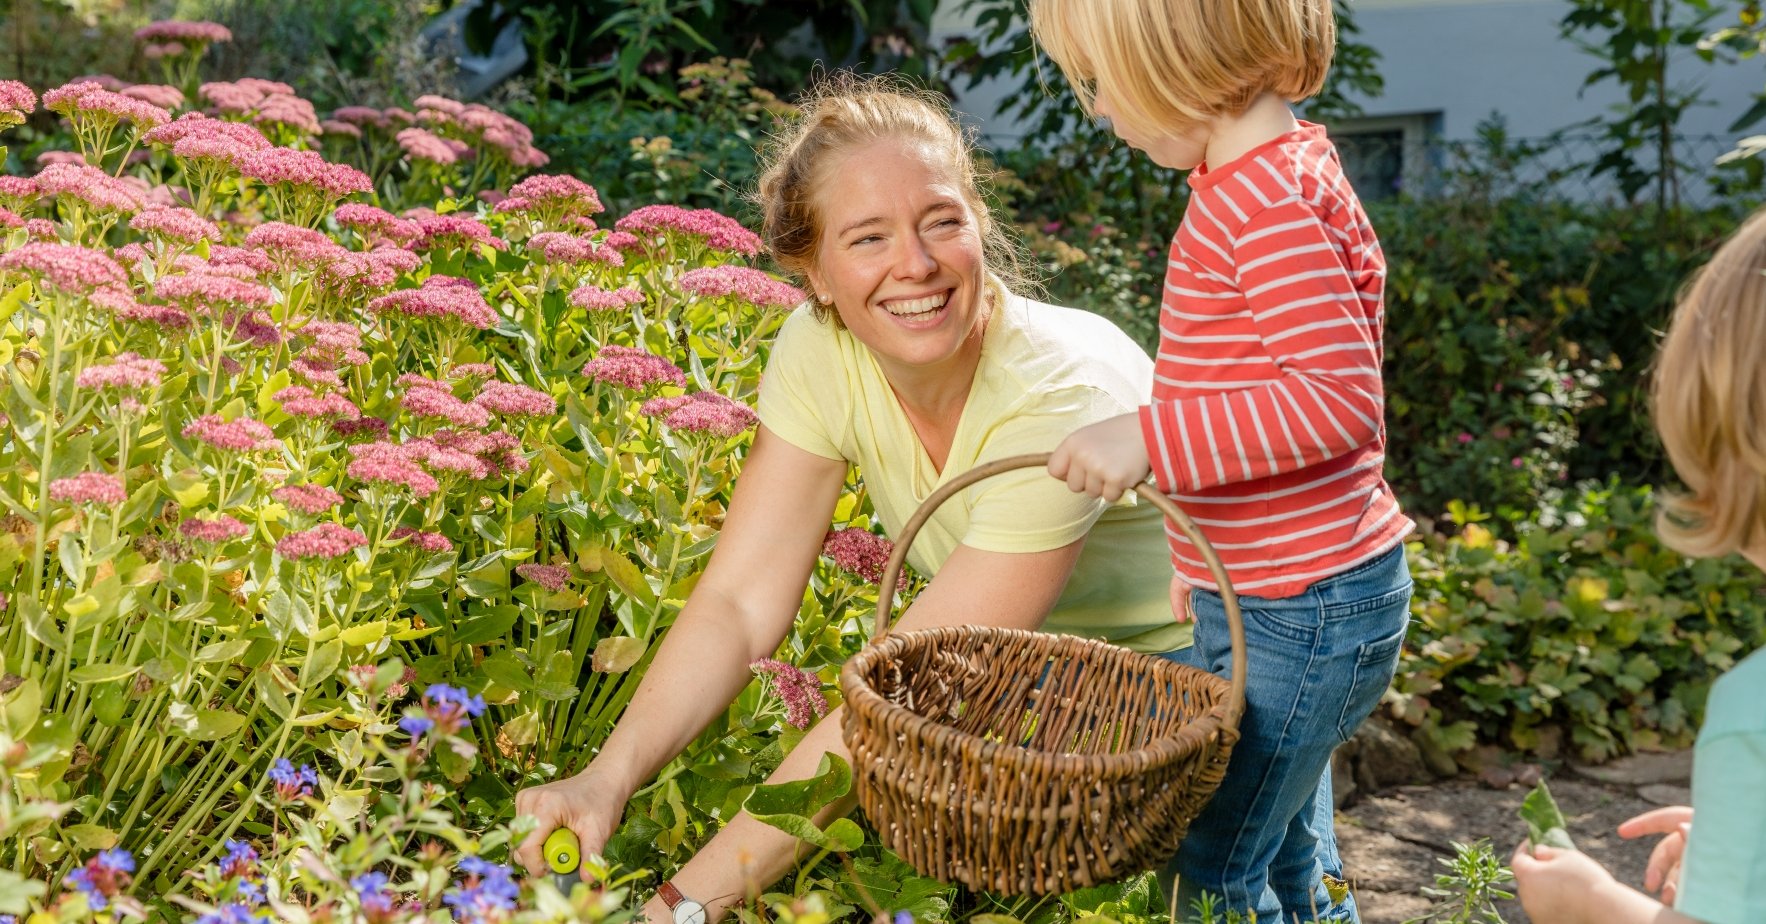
<point x="900" y="253"/>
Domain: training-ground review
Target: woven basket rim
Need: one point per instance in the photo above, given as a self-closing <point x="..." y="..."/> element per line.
<point x="868" y="706"/>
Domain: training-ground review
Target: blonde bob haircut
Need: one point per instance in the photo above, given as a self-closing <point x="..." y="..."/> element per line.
<point x="842" y="112"/>
<point x="1708" y="398"/>
<point x="1172" y="65"/>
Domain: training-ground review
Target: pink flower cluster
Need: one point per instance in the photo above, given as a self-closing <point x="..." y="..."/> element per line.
<point x="798" y="689"/>
<point x="389" y="463"/>
<point x="155" y="94"/>
<point x="99" y="190"/>
<point x="424" y="399"/>
<point x="553" y="197"/>
<point x="125" y="372"/>
<point x="215" y="293"/>
<point x="310" y="499"/>
<point x="189" y="33"/>
<point x="68" y="267"/>
<point x="89" y="488"/>
<point x="122" y="305"/>
<point x="327" y="540"/>
<point x="717" y="230"/>
<point x="512" y="400"/>
<point x="472" y="371"/>
<point x="303" y="169"/>
<point x="456" y="231"/>
<point x="551" y="577"/>
<point x="374" y="223"/>
<point x="567" y="248"/>
<point x="222" y="528"/>
<point x="18" y="191"/>
<point x="176" y="224"/>
<point x="89" y="100"/>
<point x="253" y="327"/>
<point x="422" y="144"/>
<point x="595" y="298"/>
<point x="749" y="285"/>
<point x="439" y="299"/>
<point x="632" y="368"/>
<point x="241" y="435"/>
<point x="16" y="102"/>
<point x="701" y="412"/>
<point x="418" y="539"/>
<point x="355" y="275"/>
<point x="301" y="401"/>
<point x="483" y="127"/>
<point x="858" y="551"/>
<point x="198" y="137"/>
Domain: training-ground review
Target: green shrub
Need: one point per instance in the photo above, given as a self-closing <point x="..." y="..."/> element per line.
<point x="1588" y="637"/>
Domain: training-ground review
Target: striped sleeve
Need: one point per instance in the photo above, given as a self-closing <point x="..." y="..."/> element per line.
<point x="1295" y="271"/>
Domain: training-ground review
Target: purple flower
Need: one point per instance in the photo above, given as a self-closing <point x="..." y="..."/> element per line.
<point x="103" y="877"/>
<point x="551" y="577"/>
<point x="450" y="707"/>
<point x="487" y="895"/>
<point x="241" y="861"/>
<point x="230" y="913"/>
<point x="292" y="783"/>
<point x="798" y="689"/>
<point x="372" y="894"/>
<point x="415" y="725"/>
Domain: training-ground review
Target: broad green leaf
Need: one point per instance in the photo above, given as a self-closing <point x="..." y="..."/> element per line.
<point x="312" y="719"/>
<point x="788" y="806"/>
<point x="1545" y="823"/>
<point x="364" y="635"/>
<point x="505" y="669"/>
<point x="616" y="654"/>
<point x="223" y="651"/>
<point x="81" y="606"/>
<point x="187" y="487"/>
<point x="626" y="576"/>
<point x="13" y="298"/>
<point x="88" y="837"/>
<point x="203" y="724"/>
<point x="490" y="623"/>
<point x="322" y="665"/>
<point x="20" y="708"/>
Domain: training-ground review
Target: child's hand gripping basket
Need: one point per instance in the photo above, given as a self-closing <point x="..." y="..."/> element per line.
<point x="1029" y="763"/>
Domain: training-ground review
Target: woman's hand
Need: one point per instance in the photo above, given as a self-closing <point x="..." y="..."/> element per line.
<point x="1103" y="459"/>
<point x="1663" y="874"/>
<point x="588" y="805"/>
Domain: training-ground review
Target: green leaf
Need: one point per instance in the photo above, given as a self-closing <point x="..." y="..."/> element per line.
<point x="322" y="665"/>
<point x="102" y="673"/>
<point x="223" y="651"/>
<point x="12" y="299"/>
<point x="20" y="708"/>
<point x="490" y="623"/>
<point x="364" y="635"/>
<point x="203" y="724"/>
<point x="1545" y="824"/>
<point x="788" y="806"/>
<point x="617" y="654"/>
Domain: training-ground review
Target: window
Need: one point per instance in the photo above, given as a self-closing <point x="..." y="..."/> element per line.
<point x="1387" y="155"/>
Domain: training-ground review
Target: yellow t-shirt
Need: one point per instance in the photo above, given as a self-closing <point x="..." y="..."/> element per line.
<point x="1045" y="371"/>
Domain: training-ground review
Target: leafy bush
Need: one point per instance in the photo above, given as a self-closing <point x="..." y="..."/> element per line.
<point x="1587" y="638"/>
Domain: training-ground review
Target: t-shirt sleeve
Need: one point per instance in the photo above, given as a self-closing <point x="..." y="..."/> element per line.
<point x="1723" y="877"/>
<point x="795" y="403"/>
<point x="1026" y="510"/>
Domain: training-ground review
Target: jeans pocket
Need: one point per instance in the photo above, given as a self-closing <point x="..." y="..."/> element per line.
<point x="1375" y="663"/>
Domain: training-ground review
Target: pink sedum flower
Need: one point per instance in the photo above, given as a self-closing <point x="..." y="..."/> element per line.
<point x="740" y="282"/>
<point x="798" y="689"/>
<point x="242" y="435"/>
<point x="196" y="32"/>
<point x="633" y="369"/>
<point x="701" y="412"/>
<point x="454" y="231"/>
<point x="387" y="463"/>
<point x="472" y="371"/>
<point x="125" y="372"/>
<point x="858" y="551"/>
<point x="447" y="299"/>
<point x="175" y="224"/>
<point x="551" y="577"/>
<point x="67" y="267"/>
<point x="304" y="170"/>
<point x="88" y="100"/>
<point x="595" y="298"/>
<point x="212" y="292"/>
<point x="90" y="186"/>
<point x="716" y="230"/>
<point x="512" y="400"/>
<point x="301" y="401"/>
<point x="440" y="404"/>
<point x="418" y="539"/>
<point x="16" y="103"/>
<point x="327" y="540"/>
<point x="425" y="145"/>
<point x="155" y="94"/>
<point x="310" y="499"/>
<point x="89" y="488"/>
<point x="376" y="223"/>
<point x="221" y="529"/>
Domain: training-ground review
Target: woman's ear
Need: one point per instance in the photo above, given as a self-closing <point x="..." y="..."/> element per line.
<point x="818" y="290"/>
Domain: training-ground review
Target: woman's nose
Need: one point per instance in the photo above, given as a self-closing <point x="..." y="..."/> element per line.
<point x="914" y="261"/>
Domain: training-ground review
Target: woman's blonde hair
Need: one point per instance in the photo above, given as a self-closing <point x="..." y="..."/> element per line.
<point x="1172" y="65"/>
<point x="1709" y="401"/>
<point x="843" y="111"/>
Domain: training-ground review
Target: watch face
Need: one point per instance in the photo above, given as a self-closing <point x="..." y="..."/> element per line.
<point x="688" y="911"/>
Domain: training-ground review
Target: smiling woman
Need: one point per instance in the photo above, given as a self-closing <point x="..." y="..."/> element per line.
<point x="915" y="362"/>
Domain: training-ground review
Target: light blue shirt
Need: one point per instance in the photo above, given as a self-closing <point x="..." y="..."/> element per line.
<point x="1723" y="875"/>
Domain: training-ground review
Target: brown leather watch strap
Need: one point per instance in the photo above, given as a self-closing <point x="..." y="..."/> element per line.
<point x="670" y="895"/>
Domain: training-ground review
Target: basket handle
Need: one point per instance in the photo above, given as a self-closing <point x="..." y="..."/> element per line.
<point x="1149" y="493"/>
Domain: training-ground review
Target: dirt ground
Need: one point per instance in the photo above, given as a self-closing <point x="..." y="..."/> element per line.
<point x="1391" y="840"/>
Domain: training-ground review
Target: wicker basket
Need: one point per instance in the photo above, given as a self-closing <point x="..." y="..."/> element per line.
<point x="1028" y="763"/>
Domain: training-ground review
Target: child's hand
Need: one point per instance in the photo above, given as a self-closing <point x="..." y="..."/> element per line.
<point x="1663" y="874"/>
<point x="1557" y="885"/>
<point x="1104" y="459"/>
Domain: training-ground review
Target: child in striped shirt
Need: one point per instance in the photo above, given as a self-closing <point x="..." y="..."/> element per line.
<point x="1267" y="415"/>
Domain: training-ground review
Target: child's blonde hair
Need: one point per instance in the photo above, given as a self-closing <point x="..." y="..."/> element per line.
<point x="1175" y="64"/>
<point x="1709" y="401"/>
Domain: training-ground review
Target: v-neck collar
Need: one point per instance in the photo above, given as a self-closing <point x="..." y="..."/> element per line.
<point x="927" y="477"/>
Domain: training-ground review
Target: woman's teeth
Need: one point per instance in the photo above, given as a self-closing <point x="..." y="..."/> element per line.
<point x="917" y="307"/>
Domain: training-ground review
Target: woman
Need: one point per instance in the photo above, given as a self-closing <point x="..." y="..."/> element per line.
<point x="914" y="363"/>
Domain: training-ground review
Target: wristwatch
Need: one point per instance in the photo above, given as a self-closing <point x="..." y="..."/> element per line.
<point x="685" y="910"/>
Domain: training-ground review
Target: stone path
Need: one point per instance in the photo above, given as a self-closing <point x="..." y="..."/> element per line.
<point x="1391" y="839"/>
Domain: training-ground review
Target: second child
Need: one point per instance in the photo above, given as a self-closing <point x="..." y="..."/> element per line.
<point x="1266" y="421"/>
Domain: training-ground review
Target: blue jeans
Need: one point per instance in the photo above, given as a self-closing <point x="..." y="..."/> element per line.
<point x="1318" y="664"/>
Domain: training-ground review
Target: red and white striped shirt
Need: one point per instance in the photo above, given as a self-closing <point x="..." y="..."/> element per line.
<point x="1267" y="423"/>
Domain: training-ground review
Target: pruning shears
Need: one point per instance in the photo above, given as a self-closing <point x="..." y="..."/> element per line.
<point x="564" y="857"/>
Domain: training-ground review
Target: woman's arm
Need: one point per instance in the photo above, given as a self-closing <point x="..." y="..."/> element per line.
<point x="741" y="609"/>
<point x="973" y="588"/>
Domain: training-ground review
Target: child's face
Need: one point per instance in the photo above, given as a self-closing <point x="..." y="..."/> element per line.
<point x="1179" y="151"/>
